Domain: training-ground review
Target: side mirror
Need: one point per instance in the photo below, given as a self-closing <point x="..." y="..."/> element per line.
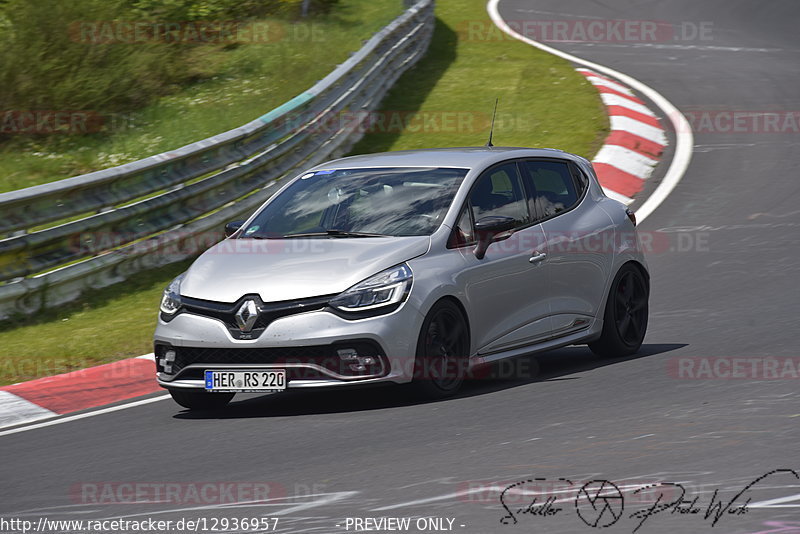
<point x="232" y="227"/>
<point x="487" y="229"/>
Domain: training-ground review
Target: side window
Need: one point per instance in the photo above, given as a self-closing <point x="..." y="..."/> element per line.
<point x="580" y="179"/>
<point x="499" y="192"/>
<point x="554" y="188"/>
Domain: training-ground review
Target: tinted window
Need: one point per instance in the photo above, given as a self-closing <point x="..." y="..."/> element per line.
<point x="499" y="192"/>
<point x="554" y="188"/>
<point x="580" y="179"/>
<point x="389" y="201"/>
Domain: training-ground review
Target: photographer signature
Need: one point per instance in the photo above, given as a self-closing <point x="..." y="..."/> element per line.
<point x="601" y="503"/>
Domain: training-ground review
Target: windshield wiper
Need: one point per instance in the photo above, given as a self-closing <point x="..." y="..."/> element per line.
<point x="336" y="233"/>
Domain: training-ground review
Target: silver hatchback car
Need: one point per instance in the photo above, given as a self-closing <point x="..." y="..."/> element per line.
<point x="406" y="267"/>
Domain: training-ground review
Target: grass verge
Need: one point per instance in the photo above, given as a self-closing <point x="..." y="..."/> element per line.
<point x="543" y="102"/>
<point x="236" y="84"/>
<point x="446" y="100"/>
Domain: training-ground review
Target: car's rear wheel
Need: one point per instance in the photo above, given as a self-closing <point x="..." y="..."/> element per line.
<point x="442" y="351"/>
<point x="200" y="400"/>
<point x="625" y="319"/>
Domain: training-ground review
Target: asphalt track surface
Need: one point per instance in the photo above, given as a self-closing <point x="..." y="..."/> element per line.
<point x="727" y="289"/>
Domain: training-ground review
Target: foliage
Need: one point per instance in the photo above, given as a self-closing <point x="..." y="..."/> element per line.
<point x="51" y="61"/>
<point x="232" y="9"/>
<point x="46" y="67"/>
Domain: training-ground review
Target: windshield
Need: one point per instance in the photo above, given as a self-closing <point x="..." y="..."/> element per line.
<point x="359" y="203"/>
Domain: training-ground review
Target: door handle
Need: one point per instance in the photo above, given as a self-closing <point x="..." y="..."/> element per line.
<point x="537" y="257"/>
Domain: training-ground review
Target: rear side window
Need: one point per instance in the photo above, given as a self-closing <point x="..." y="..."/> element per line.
<point x="580" y="179"/>
<point x="499" y="192"/>
<point x="554" y="189"/>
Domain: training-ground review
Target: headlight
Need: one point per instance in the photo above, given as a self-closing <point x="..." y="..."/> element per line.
<point x="171" y="299"/>
<point x="383" y="289"/>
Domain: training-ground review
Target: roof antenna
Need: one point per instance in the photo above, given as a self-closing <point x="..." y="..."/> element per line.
<point x="491" y="131"/>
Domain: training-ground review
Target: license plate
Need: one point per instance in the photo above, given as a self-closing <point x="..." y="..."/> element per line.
<point x="246" y="381"/>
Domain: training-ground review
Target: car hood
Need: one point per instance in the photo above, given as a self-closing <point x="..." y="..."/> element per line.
<point x="288" y="269"/>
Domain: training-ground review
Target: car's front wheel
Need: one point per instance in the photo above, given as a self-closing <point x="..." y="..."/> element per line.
<point x="200" y="400"/>
<point x="442" y="351"/>
<point x="625" y="318"/>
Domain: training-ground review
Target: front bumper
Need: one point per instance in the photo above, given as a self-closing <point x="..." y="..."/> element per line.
<point x="305" y="344"/>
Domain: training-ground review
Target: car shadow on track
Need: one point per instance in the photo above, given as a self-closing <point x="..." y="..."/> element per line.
<point x="559" y="364"/>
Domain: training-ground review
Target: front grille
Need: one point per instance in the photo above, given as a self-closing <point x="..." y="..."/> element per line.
<point x="322" y="355"/>
<point x="267" y="311"/>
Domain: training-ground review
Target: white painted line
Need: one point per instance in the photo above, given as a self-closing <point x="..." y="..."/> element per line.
<point x="584" y="70"/>
<point x="683" y="131"/>
<point x="594" y="80"/>
<point x="626" y="160"/>
<point x="497" y="489"/>
<point x="628" y="124"/>
<point x="445" y="497"/>
<point x="621" y="101"/>
<point x="327" y="498"/>
<point x="15" y="410"/>
<point x="151" y="357"/>
<point x="780" y="500"/>
<point x="617" y="196"/>
<point x="84" y="415"/>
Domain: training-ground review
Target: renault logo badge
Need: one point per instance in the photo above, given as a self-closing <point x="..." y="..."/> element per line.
<point x="247" y="315"/>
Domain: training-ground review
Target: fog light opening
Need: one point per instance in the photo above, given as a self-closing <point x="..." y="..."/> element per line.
<point x="348" y="355"/>
<point x="167" y="360"/>
<point x="355" y="362"/>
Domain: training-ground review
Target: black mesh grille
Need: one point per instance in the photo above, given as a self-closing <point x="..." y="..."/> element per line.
<point x="186" y="356"/>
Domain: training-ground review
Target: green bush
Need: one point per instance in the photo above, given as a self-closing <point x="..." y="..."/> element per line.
<point x="48" y="64"/>
<point x="230" y="9"/>
<point x="45" y="67"/>
<point x="220" y="87"/>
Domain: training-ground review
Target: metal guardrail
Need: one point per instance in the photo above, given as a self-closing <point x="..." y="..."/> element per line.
<point x="172" y="206"/>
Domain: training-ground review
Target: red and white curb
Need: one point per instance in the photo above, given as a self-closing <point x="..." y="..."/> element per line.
<point x="632" y="149"/>
<point x="83" y="389"/>
<point x="635" y="144"/>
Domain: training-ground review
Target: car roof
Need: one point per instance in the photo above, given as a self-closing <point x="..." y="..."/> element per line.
<point x="464" y="157"/>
